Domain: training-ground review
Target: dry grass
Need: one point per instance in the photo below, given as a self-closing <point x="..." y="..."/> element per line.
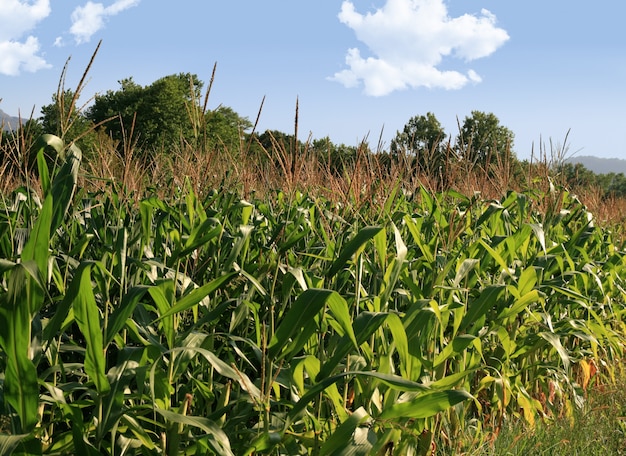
<point x="293" y="167"/>
<point x="367" y="180"/>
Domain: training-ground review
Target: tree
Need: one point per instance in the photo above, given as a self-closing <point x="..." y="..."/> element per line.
<point x="482" y="139"/>
<point x="117" y="108"/>
<point x="165" y="114"/>
<point x="423" y="141"/>
<point x="576" y="175"/>
<point x="338" y="159"/>
<point x="65" y="119"/>
<point x="166" y="111"/>
<point x="157" y="115"/>
<point x="225" y="128"/>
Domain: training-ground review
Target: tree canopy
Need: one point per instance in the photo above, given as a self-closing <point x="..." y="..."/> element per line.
<point x="482" y="139"/>
<point x="165" y="114"/>
<point x="423" y="139"/>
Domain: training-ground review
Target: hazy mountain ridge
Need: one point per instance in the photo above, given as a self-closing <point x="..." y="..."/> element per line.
<point x="600" y="165"/>
<point x="8" y="122"/>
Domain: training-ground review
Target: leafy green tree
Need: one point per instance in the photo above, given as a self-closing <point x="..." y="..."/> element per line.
<point x="421" y="134"/>
<point x="423" y="142"/>
<point x="166" y="109"/>
<point x="576" y="175"/>
<point x="165" y="114"/>
<point x="482" y="139"/>
<point x="117" y="109"/>
<point x="64" y="118"/>
<point x="336" y="158"/>
<point x="613" y="184"/>
<point x="157" y="115"/>
<point x="225" y="128"/>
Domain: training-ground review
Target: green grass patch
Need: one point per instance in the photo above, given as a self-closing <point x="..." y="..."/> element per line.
<point x="598" y="428"/>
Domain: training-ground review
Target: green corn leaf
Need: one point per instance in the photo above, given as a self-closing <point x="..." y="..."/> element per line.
<point x="64" y="184"/>
<point x="338" y="307"/>
<point x="457" y="346"/>
<point x="6" y="265"/>
<point x="20" y="378"/>
<point x="122" y="313"/>
<point x="352" y="247"/>
<point x="198" y="294"/>
<point x="200" y="235"/>
<point x="527" y="280"/>
<point x="220" y="367"/>
<point x="44" y="173"/>
<point x="219" y="439"/>
<point x="300" y="316"/>
<point x="464" y="269"/>
<point x="164" y="295"/>
<point x="146" y="215"/>
<point x="380" y="242"/>
<point x="393" y="381"/>
<point x="238" y="251"/>
<point x="119" y="378"/>
<point x="520" y="304"/>
<point x="425" y="405"/>
<point x="263" y="443"/>
<point x="415" y="230"/>
<point x="401" y="344"/>
<point x="87" y="317"/>
<point x="394" y="269"/>
<point x="343" y="437"/>
<point x="8" y="443"/>
<point x="37" y="250"/>
<point x="487" y="299"/>
<point x="251" y="279"/>
<point x="365" y="324"/>
<point x="555" y="341"/>
<point x="50" y="331"/>
<point x="450" y="381"/>
<point x="495" y="255"/>
<point x="540" y="235"/>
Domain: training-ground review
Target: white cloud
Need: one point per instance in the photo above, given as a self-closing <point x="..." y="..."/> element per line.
<point x="17" y="18"/>
<point x="88" y="19"/>
<point x="16" y="56"/>
<point x="409" y="39"/>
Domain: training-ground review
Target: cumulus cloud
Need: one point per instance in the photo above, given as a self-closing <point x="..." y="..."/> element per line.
<point x="88" y="19"/>
<point x="408" y="40"/>
<point x="17" y="53"/>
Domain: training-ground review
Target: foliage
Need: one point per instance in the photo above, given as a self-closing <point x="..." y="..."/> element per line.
<point x="164" y="114"/>
<point x="599" y="429"/>
<point x="337" y="159"/>
<point x="225" y="128"/>
<point x="388" y="322"/>
<point x="482" y="139"/>
<point x="424" y="140"/>
<point x="577" y="176"/>
<point x="65" y="120"/>
<point x="293" y="325"/>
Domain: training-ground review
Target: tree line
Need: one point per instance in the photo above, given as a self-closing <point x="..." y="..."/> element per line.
<point x="172" y="112"/>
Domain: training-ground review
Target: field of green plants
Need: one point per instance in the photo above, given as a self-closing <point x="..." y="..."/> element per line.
<point x="290" y="323"/>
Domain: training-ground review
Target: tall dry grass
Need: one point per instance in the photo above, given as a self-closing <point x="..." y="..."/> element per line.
<point x="289" y="167"/>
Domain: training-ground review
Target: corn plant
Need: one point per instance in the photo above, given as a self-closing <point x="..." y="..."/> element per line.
<point x="293" y="324"/>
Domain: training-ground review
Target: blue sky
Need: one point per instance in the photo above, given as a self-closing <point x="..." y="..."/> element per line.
<point x="358" y="67"/>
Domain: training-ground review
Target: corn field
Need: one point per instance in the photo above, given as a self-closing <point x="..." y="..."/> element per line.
<point x="211" y="325"/>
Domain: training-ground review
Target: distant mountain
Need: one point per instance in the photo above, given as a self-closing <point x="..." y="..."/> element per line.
<point x="600" y="165"/>
<point x="8" y="122"/>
